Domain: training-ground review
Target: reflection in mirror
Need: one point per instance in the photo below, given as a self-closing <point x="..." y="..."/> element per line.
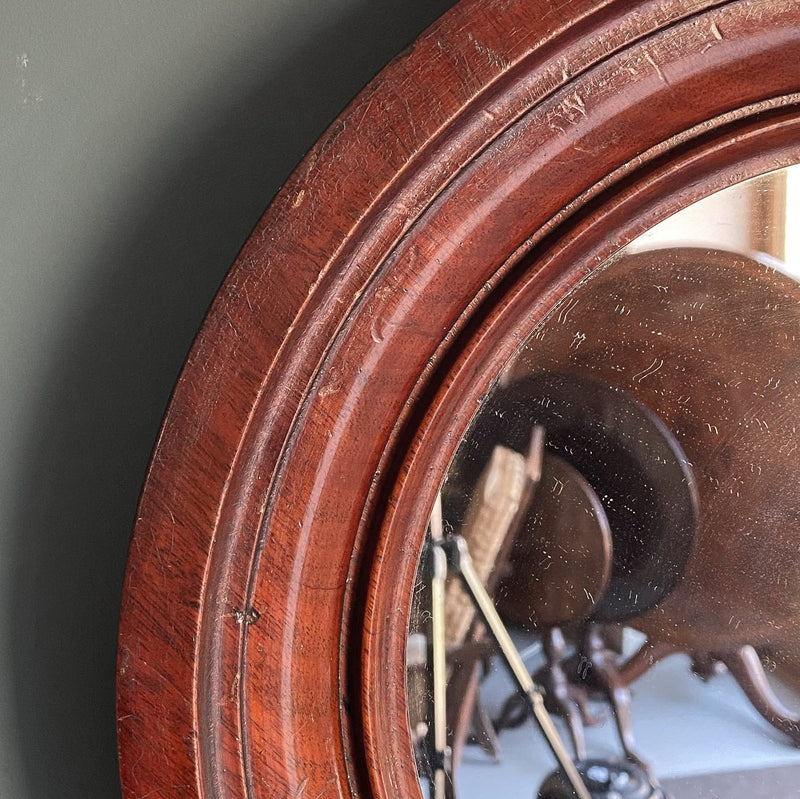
<point x="608" y="602"/>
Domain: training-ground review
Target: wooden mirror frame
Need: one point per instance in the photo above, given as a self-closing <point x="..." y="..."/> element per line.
<point x="476" y="180"/>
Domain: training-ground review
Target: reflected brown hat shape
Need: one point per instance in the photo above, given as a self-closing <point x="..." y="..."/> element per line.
<point x="708" y="341"/>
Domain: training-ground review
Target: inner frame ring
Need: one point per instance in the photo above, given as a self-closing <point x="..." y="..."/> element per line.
<point x="477" y="359"/>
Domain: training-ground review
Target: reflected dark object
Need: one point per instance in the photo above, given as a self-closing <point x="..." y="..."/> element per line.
<point x="604" y="780"/>
<point x="630" y="459"/>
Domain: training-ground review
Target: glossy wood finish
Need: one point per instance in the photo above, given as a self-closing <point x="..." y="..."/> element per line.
<point x="476" y="180"/>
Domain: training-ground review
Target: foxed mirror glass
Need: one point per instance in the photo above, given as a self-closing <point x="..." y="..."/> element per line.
<point x="628" y="499"/>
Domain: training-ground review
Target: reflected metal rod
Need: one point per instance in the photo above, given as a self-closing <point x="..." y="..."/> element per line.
<point x="455" y="549"/>
<point x="441" y="752"/>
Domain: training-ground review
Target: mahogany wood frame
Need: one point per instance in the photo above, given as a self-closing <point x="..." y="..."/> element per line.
<point x="452" y="205"/>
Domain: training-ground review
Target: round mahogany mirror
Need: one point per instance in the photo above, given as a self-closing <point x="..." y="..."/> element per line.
<point x="468" y="237"/>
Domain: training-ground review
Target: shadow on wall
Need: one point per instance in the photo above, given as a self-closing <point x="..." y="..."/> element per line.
<point x="117" y="362"/>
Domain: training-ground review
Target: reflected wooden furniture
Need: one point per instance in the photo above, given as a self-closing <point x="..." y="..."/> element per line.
<point x="497" y="506"/>
<point x="620" y="515"/>
<point x="709" y="341"/>
<point x="559" y="569"/>
<point x="457" y="200"/>
<point x="558" y="530"/>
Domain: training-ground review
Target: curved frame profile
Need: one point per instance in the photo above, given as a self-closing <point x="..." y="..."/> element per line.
<point x="462" y="194"/>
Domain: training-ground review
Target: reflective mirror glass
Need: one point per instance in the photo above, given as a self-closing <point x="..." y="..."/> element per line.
<point x="611" y="574"/>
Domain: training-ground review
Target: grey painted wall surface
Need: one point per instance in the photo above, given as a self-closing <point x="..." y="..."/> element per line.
<point x="140" y="143"/>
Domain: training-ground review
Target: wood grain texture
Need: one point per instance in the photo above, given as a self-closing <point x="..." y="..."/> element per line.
<point x="475" y="181"/>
